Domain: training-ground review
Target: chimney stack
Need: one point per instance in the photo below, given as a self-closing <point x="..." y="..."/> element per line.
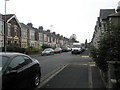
<point x="48" y="30"/>
<point x="118" y="7"/>
<point x="54" y="33"/>
<point x="30" y="24"/>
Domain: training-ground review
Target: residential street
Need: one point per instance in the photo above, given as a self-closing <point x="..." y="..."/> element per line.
<point x="68" y="70"/>
<point x="66" y="44"/>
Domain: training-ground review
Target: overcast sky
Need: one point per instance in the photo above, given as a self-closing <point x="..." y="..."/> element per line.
<point x="67" y="16"/>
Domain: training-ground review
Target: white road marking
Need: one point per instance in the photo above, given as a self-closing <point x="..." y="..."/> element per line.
<point x="90" y="77"/>
<point x="50" y="75"/>
<point x="85" y="56"/>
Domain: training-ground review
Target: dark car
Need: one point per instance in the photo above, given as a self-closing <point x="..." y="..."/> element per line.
<point x="64" y="49"/>
<point x="19" y="71"/>
<point x="48" y="51"/>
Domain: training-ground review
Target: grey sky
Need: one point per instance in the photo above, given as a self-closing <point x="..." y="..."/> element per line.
<point x="67" y="16"/>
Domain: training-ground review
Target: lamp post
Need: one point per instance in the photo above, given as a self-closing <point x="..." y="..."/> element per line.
<point x="89" y="36"/>
<point x="51" y="27"/>
<point x="5" y="44"/>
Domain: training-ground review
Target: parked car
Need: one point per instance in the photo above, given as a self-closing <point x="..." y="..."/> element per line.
<point x="19" y="71"/>
<point x="83" y="48"/>
<point x="64" y="49"/>
<point x="57" y="50"/>
<point x="68" y="49"/>
<point x="48" y="51"/>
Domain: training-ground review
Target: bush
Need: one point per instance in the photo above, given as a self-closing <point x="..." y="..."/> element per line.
<point x="35" y="49"/>
<point x="32" y="49"/>
<point x="109" y="48"/>
<point x="44" y="46"/>
<point x="14" y="49"/>
<point x="93" y="52"/>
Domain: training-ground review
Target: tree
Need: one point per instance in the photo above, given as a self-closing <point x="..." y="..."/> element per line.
<point x="73" y="38"/>
<point x="86" y="43"/>
<point x="109" y="47"/>
<point x="110" y="43"/>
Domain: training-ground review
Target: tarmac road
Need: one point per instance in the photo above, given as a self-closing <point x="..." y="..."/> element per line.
<point x="69" y="71"/>
<point x="76" y="76"/>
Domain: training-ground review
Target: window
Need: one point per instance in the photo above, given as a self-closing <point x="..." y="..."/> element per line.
<point x="9" y="43"/>
<point x="1" y="27"/>
<point x="9" y="30"/>
<point x="27" y="60"/>
<point x="15" y="29"/>
<point x="3" y="60"/>
<point x="19" y="62"/>
<point x="40" y="36"/>
<point x="32" y="35"/>
<point x="24" y="34"/>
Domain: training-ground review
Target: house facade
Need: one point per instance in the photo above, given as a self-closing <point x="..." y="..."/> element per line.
<point x="54" y="39"/>
<point x="31" y="35"/>
<point x="115" y="18"/>
<point x="41" y="36"/>
<point x="100" y="26"/>
<point x="24" y="35"/>
<point x="1" y="31"/>
<point x="13" y="30"/>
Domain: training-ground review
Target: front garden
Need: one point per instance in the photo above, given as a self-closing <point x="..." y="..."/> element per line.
<point x="107" y="56"/>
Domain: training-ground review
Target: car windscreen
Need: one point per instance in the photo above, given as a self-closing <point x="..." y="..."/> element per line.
<point x="47" y="50"/>
<point x="64" y="47"/>
<point x="3" y="61"/>
<point x="76" y="46"/>
<point x="57" y="48"/>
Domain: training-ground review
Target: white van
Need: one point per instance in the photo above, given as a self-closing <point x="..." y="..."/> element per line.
<point x="76" y="48"/>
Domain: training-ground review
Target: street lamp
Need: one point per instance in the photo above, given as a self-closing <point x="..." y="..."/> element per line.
<point x="51" y="27"/>
<point x="5" y="44"/>
<point x="89" y="36"/>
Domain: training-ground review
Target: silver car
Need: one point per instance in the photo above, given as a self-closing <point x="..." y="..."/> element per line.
<point x="48" y="51"/>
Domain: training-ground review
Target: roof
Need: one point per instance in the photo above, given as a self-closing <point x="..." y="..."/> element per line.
<point x="9" y="54"/>
<point x="114" y="15"/>
<point x="23" y="25"/>
<point x="105" y="12"/>
<point x="9" y="17"/>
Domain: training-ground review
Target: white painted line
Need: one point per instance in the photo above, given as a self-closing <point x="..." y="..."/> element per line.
<point x="92" y="64"/>
<point x="90" y="77"/>
<point x="85" y="56"/>
<point x="84" y="64"/>
<point x="49" y="76"/>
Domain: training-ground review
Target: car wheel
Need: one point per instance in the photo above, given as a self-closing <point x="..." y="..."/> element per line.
<point x="36" y="80"/>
